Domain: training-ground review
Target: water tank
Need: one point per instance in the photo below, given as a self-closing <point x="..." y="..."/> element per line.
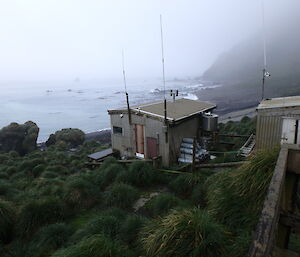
<point x="210" y="122"/>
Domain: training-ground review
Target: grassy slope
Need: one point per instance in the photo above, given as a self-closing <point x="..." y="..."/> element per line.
<point x="65" y="209"/>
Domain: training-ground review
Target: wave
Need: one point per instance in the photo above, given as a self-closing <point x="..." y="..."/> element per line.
<point x="191" y="96"/>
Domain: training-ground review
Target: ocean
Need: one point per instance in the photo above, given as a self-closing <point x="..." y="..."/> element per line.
<point x="81" y="104"/>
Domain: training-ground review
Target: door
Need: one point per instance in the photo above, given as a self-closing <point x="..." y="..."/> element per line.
<point x="288" y="131"/>
<point x="152" y="147"/>
<point x="139" y="138"/>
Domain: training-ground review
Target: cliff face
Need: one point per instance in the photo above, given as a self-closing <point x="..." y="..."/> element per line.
<point x="242" y="65"/>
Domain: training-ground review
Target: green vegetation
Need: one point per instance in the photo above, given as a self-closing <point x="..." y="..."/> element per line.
<point x="121" y="195"/>
<point x="19" y="137"/>
<point x="52" y="205"/>
<point x="71" y="137"/>
<point x="199" y="235"/>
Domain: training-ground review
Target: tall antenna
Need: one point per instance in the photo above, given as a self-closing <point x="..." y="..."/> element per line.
<point x="162" y="56"/>
<point x="164" y="80"/>
<point x="265" y="72"/>
<point x="125" y="86"/>
<point x="123" y="67"/>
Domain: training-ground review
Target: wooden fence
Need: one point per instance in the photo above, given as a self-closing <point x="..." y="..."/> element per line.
<point x="278" y="217"/>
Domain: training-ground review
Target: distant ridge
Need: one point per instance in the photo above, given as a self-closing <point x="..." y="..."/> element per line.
<point x="242" y="65"/>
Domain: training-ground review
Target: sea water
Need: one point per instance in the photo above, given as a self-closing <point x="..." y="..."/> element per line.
<point x="54" y="105"/>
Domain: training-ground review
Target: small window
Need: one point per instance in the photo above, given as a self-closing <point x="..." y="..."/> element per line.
<point x="117" y="130"/>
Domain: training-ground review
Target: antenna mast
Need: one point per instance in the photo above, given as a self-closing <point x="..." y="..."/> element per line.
<point x="164" y="79"/>
<point x="125" y="85"/>
<point x="265" y="72"/>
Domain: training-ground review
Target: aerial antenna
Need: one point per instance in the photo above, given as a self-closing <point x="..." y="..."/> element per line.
<point x="265" y="72"/>
<point x="164" y="80"/>
<point x="125" y="86"/>
<point x="162" y="56"/>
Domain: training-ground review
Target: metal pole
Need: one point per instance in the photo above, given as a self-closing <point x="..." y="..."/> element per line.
<point x="263" y="85"/>
<point x="125" y="85"/>
<point x="164" y="80"/>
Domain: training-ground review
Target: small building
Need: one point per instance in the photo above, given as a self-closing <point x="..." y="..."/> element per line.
<point x="146" y="133"/>
<point x="278" y="122"/>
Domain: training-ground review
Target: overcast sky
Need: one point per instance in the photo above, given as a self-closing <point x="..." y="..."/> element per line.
<point x="65" y="39"/>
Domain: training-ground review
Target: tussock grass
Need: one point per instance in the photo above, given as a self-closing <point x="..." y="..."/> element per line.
<point x="49" y="174"/>
<point x="130" y="228"/>
<point x="161" y="204"/>
<point x="236" y="197"/>
<point x="96" y="246"/>
<point x="7" y="190"/>
<point x="49" y="239"/>
<point x="139" y="174"/>
<point x="3" y="175"/>
<point x="107" y="174"/>
<point x="81" y="193"/>
<point x="190" y="232"/>
<point x="37" y="213"/>
<point x="7" y="220"/>
<point x="121" y="195"/>
<point x="101" y="224"/>
<point x="183" y="184"/>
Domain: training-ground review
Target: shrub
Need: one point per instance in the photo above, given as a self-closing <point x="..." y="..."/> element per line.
<point x="11" y="170"/>
<point x="37" y="170"/>
<point x="49" y="239"/>
<point x="107" y="175"/>
<point x="28" y="165"/>
<point x="199" y="195"/>
<point x="121" y="195"/>
<point x="107" y="162"/>
<point x="72" y="137"/>
<point x="7" y="220"/>
<point x="239" y="245"/>
<point x="96" y="246"/>
<point x="131" y="228"/>
<point x="236" y="197"/>
<point x="81" y="193"/>
<point x="162" y="203"/>
<point x="37" y="213"/>
<point x="19" y="137"/>
<point x="102" y="224"/>
<point x="184" y="233"/>
<point x="7" y="190"/>
<point x="59" y="169"/>
<point x="3" y="175"/>
<point x="49" y="174"/>
<point x="183" y="184"/>
<point x="139" y="174"/>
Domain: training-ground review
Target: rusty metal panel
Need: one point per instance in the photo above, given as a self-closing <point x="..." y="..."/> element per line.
<point x="151" y="147"/>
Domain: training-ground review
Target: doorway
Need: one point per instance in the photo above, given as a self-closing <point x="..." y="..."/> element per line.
<point x="152" y="147"/>
<point x="140" y="141"/>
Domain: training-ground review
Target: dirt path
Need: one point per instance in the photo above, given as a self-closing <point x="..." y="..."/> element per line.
<point x="143" y="200"/>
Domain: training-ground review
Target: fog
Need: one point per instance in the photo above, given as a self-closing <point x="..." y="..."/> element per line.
<point x="66" y="39"/>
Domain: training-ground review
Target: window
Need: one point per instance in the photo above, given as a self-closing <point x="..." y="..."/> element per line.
<point x="117" y="130"/>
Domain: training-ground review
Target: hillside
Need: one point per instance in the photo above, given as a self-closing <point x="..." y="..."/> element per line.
<point x="240" y="69"/>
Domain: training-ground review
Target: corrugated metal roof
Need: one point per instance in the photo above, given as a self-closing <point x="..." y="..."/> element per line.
<point x="279" y="102"/>
<point x="177" y="110"/>
<point x="101" y="154"/>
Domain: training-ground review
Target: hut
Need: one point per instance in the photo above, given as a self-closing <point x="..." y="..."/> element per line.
<point x="143" y="131"/>
<point x="278" y="122"/>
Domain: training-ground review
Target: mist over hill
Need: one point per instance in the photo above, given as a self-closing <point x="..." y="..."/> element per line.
<point x="240" y="69"/>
